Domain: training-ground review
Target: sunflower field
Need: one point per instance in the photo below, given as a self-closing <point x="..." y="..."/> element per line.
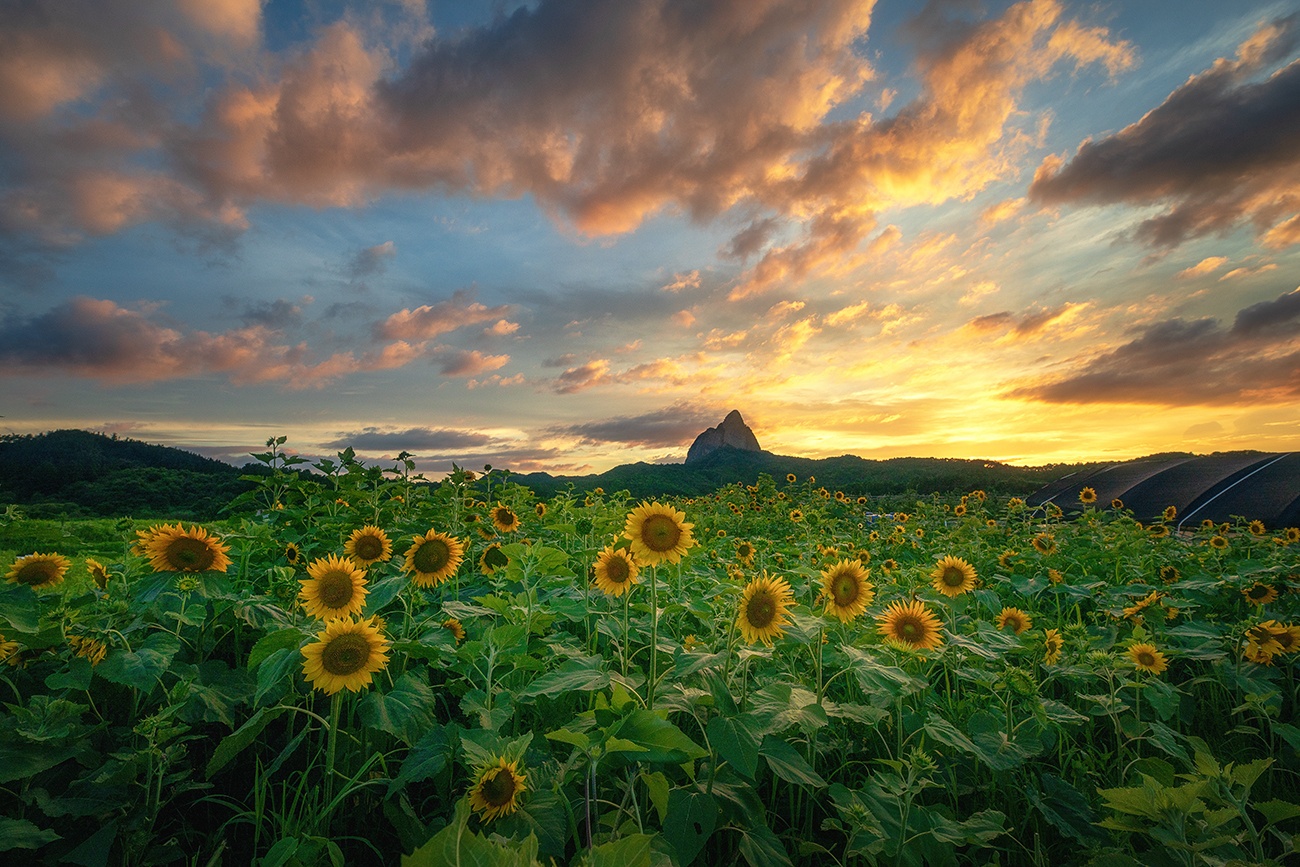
<point x="361" y="667"/>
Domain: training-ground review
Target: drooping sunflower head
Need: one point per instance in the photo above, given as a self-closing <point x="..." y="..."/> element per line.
<point x="1146" y="658"/>
<point x="433" y="558"/>
<point x="1169" y="513"/>
<point x="1043" y="543"/>
<point x="1005" y="558"/>
<point x="98" y="573"/>
<point x="1170" y="574"/>
<point x="368" y="545"/>
<point x="1088" y="496"/>
<point x="659" y="533"/>
<point x="1259" y="594"/>
<point x="910" y="625"/>
<point x="88" y="648"/>
<point x="953" y="576"/>
<point x="492" y="559"/>
<point x="334" y="587"/>
<point x="1055" y="576"/>
<point x="745" y="552"/>
<point x="1018" y="621"/>
<point x="8" y="649"/>
<point x="176" y="549"/>
<point x="616" y="571"/>
<point x="1053" y="644"/>
<point x="847" y="589"/>
<point x="763" y="607"/>
<point x="38" y="570"/>
<point x="345" y="655"/>
<point x="496" y="789"/>
<point x="504" y="519"/>
<point x="540" y="510"/>
<point x="455" y="627"/>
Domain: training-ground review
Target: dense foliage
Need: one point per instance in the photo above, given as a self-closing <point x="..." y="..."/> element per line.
<point x="1091" y="691"/>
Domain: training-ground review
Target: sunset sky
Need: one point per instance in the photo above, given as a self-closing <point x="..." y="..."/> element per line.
<point x="568" y="235"/>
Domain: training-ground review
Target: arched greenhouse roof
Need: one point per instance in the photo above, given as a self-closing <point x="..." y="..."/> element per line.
<point x="1220" y="487"/>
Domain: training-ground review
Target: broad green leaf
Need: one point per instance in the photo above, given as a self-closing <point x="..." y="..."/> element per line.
<point x="76" y="676"/>
<point x="565" y="736"/>
<point x="237" y="741"/>
<point x="95" y="849"/>
<point x="786" y="763"/>
<point x="692" y="817"/>
<point x="582" y="675"/>
<point x="457" y="845"/>
<point x="20" y="607"/>
<point x="761" y="848"/>
<point x="383" y="591"/>
<point x="1059" y="712"/>
<point x="735" y="741"/>
<point x="18" y="761"/>
<point x="543" y="814"/>
<point x="664" y="742"/>
<point x="407" y="711"/>
<point x="276" y="673"/>
<point x="657" y="786"/>
<point x="140" y="668"/>
<point x="634" y="850"/>
<point x="977" y="829"/>
<point x="271" y="642"/>
<point x="1065" y="808"/>
<point x="22" y="834"/>
<point x="1277" y="811"/>
<point x="426" y="759"/>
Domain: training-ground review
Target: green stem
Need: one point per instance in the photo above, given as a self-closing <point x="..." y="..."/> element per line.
<point x="336" y="708"/>
<point x="654" y="639"/>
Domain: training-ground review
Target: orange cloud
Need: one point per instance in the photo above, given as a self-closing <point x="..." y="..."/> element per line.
<point x="432" y="320"/>
<point x="1207" y="265"/>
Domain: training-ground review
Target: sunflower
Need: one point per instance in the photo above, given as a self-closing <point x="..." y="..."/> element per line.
<point x="1259" y="594"/>
<point x="1018" y="620"/>
<point x="1158" y="531"/>
<point x="540" y="510"/>
<point x="888" y="566"/>
<point x="659" y="533"/>
<point x="1292" y="535"/>
<point x="98" y="573"/>
<point x="496" y="790"/>
<point x="953" y="576"/>
<point x="721" y="534"/>
<point x="88" y="648"/>
<point x="745" y="552"/>
<point x="334" y="587"/>
<point x="1044" y="543"/>
<point x="1218" y="543"/>
<point x="504" y="519"/>
<point x="492" y="559"/>
<point x="433" y="558"/>
<point x="796" y="515"/>
<point x="345" y="655"/>
<point x="1087" y="496"/>
<point x="862" y="501"/>
<point x="1015" y="504"/>
<point x="1256" y="528"/>
<point x="38" y="570"/>
<point x="292" y="554"/>
<point x="1004" y="559"/>
<point x="1055" y="576"/>
<point x="1170" y="574"/>
<point x="1285" y="636"/>
<point x="175" y="549"/>
<point x="1146" y="658"/>
<point x="763" y="606"/>
<point x="1053" y="644"/>
<point x="847" y="590"/>
<point x="455" y="627"/>
<point x="8" y="649"/>
<point x="1170" y="513"/>
<point x="911" y="625"/>
<point x="959" y="510"/>
<point x="1257" y="654"/>
<point x="1117" y="504"/>
<point x="616" y="571"/>
<point x="368" y="545"/>
<point x="1138" y="607"/>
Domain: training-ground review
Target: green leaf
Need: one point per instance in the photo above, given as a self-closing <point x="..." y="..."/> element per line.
<point x="1058" y="712"/>
<point x="408" y="710"/>
<point x="761" y="848"/>
<point x="566" y="736"/>
<point x="786" y="763"/>
<point x="634" y="850"/>
<point x="20" y="607"/>
<point x="735" y="741"/>
<point x="456" y="844"/>
<point x="237" y="741"/>
<point x="1277" y="811"/>
<point x="276" y="673"/>
<point x="664" y="742"/>
<point x="543" y="814"/>
<point x="383" y="591"/>
<point x="881" y="683"/>
<point x="657" y="786"/>
<point x="582" y="674"/>
<point x="18" y="761"/>
<point x="95" y="849"/>
<point x="22" y="834"/>
<point x="271" y="642"/>
<point x="77" y="676"/>
<point x="424" y="760"/>
<point x="1065" y="808"/>
<point x="692" y="817"/>
<point x="141" y="668"/>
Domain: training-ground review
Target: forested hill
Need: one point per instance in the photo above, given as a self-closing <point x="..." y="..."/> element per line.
<point x="77" y="472"/>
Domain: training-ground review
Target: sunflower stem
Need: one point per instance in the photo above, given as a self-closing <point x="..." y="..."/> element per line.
<point x="336" y="709"/>
<point x="654" y="639"/>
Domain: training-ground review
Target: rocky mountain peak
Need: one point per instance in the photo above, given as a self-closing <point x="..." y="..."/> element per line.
<point x="732" y="432"/>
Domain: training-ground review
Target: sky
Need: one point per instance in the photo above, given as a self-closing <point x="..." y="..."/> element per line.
<point x="564" y="235"/>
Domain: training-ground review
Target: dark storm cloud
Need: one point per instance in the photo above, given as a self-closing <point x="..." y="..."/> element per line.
<point x="278" y="314"/>
<point x="1220" y="150"/>
<point x="416" y="439"/>
<point x="1188" y="363"/>
<point x="371" y="260"/>
<point x="675" y="425"/>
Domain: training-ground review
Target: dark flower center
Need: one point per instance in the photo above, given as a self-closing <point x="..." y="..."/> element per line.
<point x="660" y="533"/>
<point x="369" y="547"/>
<point x="498" y="789"/>
<point x="36" y="574"/>
<point x="187" y="554"/>
<point x="433" y="555"/>
<point x="616" y="570"/>
<point x="335" y="589"/>
<point x="953" y="577"/>
<point x="760" y="611"/>
<point x="845" y="589"/>
<point x="345" y="654"/>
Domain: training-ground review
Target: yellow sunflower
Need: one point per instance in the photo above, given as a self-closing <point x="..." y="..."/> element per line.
<point x="1146" y="658"/>
<point x="38" y="570"/>
<point x="911" y="625"/>
<point x="504" y="519"/>
<point x="763" y="606"/>
<point x="1170" y="513"/>
<point x="616" y="571"/>
<point x="659" y="534"/>
<point x="791" y="478"/>
<point x="953" y="576"/>
<point x="1170" y="574"/>
<point x="292" y="554"/>
<point x="1158" y="531"/>
<point x="1218" y="543"/>
<point x="175" y="549"/>
<point x="1285" y="636"/>
<point x="1043" y="543"/>
<point x="1053" y="644"/>
<point x="98" y="573"/>
<point x="1088" y="496"/>
<point x="496" y="790"/>
<point x="959" y="510"/>
<point x="1259" y="594"/>
<point x="455" y="627"/>
<point x="1004" y="559"/>
<point x="345" y="655"/>
<point x="888" y="566"/>
<point x="1055" y="576"/>
<point x="1018" y="620"/>
<point x="745" y="552"/>
<point x="1117" y="504"/>
<point x="1256" y="528"/>
<point x="862" y="501"/>
<point x="848" y="592"/>
<point x="492" y="559"/>
<point x="8" y="649"/>
<point x="1292" y="535"/>
<point x="540" y="510"/>
<point x="796" y="515"/>
<point x="433" y="558"/>
<point x="88" y="648"/>
<point x="368" y="545"/>
<point x="334" y="587"/>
